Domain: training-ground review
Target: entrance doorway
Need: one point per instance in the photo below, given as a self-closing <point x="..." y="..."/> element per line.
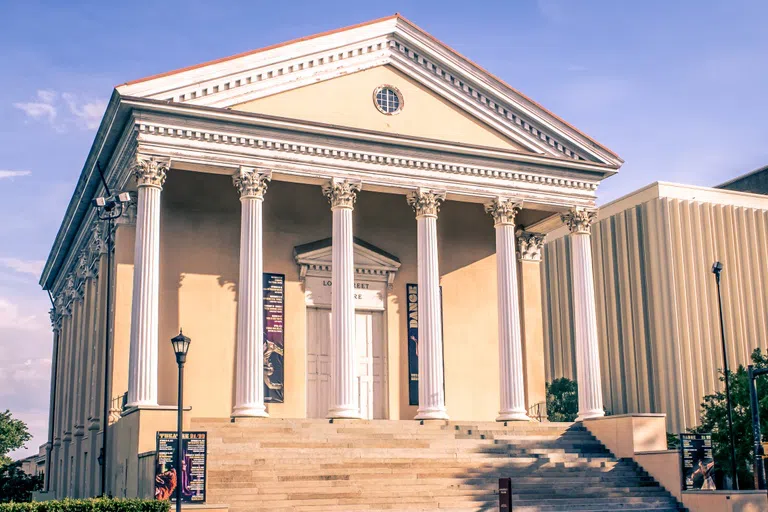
<point x="371" y="374"/>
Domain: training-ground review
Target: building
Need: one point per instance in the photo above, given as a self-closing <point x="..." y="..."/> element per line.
<point x="355" y="196"/>
<point x="755" y="182"/>
<point x="657" y="312"/>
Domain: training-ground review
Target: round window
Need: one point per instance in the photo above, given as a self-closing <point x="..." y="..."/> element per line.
<point x="388" y="99"/>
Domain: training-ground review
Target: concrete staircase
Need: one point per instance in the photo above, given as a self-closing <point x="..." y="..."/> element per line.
<point x="304" y="465"/>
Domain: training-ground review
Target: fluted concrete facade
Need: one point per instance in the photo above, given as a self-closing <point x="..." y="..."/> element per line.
<point x="657" y="323"/>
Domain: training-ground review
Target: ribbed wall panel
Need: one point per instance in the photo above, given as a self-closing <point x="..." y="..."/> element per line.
<point x="657" y="304"/>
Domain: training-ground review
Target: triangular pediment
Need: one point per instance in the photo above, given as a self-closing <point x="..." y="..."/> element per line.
<point x="315" y="258"/>
<point x="500" y="116"/>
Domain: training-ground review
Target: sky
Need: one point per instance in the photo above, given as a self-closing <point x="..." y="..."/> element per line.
<point x="675" y="88"/>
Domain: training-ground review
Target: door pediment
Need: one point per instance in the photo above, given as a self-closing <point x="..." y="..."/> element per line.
<point x="371" y="263"/>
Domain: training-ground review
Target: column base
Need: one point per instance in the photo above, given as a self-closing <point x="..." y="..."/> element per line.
<point x="141" y="403"/>
<point x="342" y="413"/>
<point x="512" y="416"/>
<point x="587" y="415"/>
<point x="432" y="414"/>
<point x="245" y="411"/>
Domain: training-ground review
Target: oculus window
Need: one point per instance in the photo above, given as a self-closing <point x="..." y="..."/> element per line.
<point x="388" y="99"/>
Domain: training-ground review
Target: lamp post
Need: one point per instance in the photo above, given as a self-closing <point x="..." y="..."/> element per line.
<point x="110" y="208"/>
<point x="180" y="347"/>
<point x="717" y="268"/>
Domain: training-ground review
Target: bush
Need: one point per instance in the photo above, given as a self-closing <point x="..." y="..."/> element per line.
<point x="562" y="400"/>
<point x="16" y="485"/>
<point x="90" y="505"/>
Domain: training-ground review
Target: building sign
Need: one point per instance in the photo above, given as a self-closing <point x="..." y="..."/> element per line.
<point x="367" y="294"/>
<point x="412" y="304"/>
<point x="274" y="337"/>
<point x="193" y="466"/>
<point x="697" y="462"/>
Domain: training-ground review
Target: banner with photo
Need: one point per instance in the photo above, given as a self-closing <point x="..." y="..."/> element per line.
<point x="412" y="305"/>
<point x="193" y="465"/>
<point x="274" y="337"/>
<point x="697" y="462"/>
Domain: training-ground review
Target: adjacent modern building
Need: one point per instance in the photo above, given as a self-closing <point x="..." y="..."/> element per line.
<point x="340" y="225"/>
<point x="657" y="311"/>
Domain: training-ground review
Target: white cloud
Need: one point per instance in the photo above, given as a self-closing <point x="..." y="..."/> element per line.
<point x="82" y="113"/>
<point x="12" y="318"/>
<point x="13" y="174"/>
<point x="34" y="267"/>
<point x="89" y="113"/>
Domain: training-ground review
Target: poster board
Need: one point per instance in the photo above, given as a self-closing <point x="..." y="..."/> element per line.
<point x="274" y="337"/>
<point x="697" y="462"/>
<point x="194" y="464"/>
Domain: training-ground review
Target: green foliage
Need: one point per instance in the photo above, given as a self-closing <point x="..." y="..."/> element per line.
<point x="714" y="419"/>
<point x="16" y="485"/>
<point x="90" y="505"/>
<point x="673" y="441"/>
<point x="13" y="435"/>
<point x="562" y="400"/>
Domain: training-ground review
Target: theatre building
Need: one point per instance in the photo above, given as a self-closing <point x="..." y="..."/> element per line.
<point x="339" y="224"/>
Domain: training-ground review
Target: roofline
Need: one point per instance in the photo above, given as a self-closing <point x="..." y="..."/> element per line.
<point x="399" y="17"/>
<point x="505" y="84"/>
<point x="742" y="176"/>
<point x="260" y="50"/>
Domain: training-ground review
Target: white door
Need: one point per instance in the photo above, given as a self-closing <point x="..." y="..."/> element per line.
<point x="371" y="373"/>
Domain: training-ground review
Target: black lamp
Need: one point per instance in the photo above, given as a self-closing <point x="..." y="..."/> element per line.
<point x="180" y="345"/>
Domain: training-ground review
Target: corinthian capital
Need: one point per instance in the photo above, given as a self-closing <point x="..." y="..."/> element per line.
<point x="579" y="220"/>
<point x="341" y="193"/>
<point x="425" y="202"/>
<point x="529" y="245"/>
<point x="55" y="320"/>
<point x="503" y="211"/>
<point x="150" y="170"/>
<point x="252" y="182"/>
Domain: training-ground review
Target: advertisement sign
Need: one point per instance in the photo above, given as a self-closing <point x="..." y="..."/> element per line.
<point x="412" y="304"/>
<point x="697" y="462"/>
<point x="193" y="466"/>
<point x="274" y="337"/>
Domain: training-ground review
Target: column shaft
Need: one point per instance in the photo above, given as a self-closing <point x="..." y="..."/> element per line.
<point x="249" y="378"/>
<point x="431" y="379"/>
<point x="142" y="372"/>
<point x="584" y="315"/>
<point x="345" y="401"/>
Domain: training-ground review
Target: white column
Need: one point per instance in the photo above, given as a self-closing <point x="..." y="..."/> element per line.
<point x="426" y="204"/>
<point x="510" y="338"/>
<point x="150" y="175"/>
<point x="345" y="402"/>
<point x="249" y="364"/>
<point x="579" y="221"/>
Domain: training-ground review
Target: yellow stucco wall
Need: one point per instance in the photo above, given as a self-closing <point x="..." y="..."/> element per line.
<point x="348" y="101"/>
<point x="200" y="227"/>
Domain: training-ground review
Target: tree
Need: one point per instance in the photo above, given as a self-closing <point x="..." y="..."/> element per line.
<point x="562" y="400"/>
<point x="714" y="419"/>
<point x="16" y="485"/>
<point x="13" y="435"/>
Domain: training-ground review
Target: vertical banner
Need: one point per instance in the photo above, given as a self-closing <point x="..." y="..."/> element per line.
<point x="412" y="303"/>
<point x="697" y="462"/>
<point x="193" y="466"/>
<point x="274" y="337"/>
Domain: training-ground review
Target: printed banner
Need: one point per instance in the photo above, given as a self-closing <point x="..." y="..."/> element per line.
<point x="412" y="303"/>
<point x="697" y="462"/>
<point x="274" y="337"/>
<point x="193" y="465"/>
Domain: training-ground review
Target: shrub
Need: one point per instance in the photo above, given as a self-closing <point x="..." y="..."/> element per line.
<point x="89" y="505"/>
<point x="562" y="400"/>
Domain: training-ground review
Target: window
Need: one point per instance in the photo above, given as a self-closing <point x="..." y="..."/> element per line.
<point x="388" y="99"/>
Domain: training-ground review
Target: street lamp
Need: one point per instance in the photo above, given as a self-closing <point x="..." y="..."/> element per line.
<point x="109" y="207"/>
<point x="180" y="345"/>
<point x="717" y="268"/>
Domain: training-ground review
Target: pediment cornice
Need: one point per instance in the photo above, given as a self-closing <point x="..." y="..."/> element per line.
<point x="393" y="41"/>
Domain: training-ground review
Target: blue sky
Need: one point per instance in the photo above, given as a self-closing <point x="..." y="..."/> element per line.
<point x="676" y="88"/>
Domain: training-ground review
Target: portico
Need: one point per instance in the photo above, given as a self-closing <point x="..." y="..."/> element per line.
<point x="425" y="183"/>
